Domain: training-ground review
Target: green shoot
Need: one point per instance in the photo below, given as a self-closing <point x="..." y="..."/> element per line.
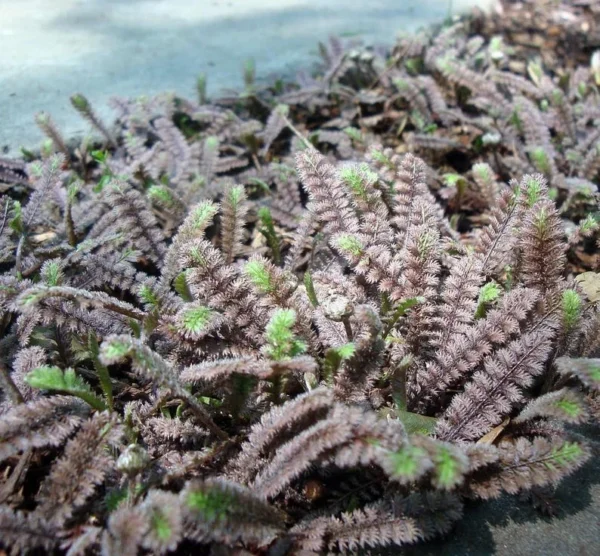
<point x="334" y="358"/>
<point x="53" y="378"/>
<point x="487" y="295"/>
<point x="267" y="229"/>
<point x="310" y="289"/>
<point x="281" y="342"/>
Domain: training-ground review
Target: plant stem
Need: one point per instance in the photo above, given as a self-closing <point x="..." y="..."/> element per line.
<point x="9" y="385"/>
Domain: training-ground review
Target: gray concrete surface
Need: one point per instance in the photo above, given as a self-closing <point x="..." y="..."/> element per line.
<point x="50" y="49"/>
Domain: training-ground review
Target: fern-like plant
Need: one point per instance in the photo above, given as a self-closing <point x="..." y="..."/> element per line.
<point x="221" y="331"/>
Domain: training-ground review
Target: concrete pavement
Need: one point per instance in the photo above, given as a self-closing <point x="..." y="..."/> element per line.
<point x="102" y="48"/>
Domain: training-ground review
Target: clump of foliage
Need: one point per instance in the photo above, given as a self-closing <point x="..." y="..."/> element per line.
<point x="225" y="328"/>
